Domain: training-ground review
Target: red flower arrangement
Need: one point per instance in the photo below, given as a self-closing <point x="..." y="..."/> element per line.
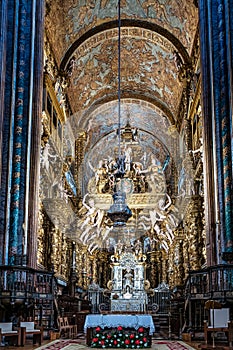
<point x="121" y="338"/>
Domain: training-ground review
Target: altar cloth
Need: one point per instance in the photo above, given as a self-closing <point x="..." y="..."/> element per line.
<point x="126" y="321"/>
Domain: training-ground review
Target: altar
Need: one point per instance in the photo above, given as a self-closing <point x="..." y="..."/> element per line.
<point x="126" y="325"/>
<point x="128" y="293"/>
<point x="118" y="330"/>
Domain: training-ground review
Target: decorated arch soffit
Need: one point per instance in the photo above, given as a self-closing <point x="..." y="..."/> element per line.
<point x="148" y="69"/>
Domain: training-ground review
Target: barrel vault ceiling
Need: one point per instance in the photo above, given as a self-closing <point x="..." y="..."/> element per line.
<point x="156" y="36"/>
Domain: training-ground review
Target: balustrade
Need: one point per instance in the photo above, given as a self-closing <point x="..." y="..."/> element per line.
<point x="212" y="282"/>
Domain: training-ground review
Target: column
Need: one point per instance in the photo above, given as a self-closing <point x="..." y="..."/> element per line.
<point x="216" y="57"/>
<point x="21" y="75"/>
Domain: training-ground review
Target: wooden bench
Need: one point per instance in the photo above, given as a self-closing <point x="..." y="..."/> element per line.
<point x="29" y="328"/>
<point x="7" y="330"/>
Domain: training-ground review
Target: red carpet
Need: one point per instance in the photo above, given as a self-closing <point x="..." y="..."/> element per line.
<point x="60" y="344"/>
<point x="173" y="345"/>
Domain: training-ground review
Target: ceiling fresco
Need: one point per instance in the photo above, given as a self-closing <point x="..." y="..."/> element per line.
<point x="153" y="130"/>
<point x="67" y="21"/>
<point x="142" y="115"/>
<point x="147" y="68"/>
<point x="156" y="38"/>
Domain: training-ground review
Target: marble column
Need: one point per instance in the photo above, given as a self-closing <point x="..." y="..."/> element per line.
<point x="21" y="75"/>
<point x="216" y="57"/>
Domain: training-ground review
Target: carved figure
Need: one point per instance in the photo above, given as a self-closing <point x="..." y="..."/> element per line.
<point x="91" y="212"/>
<point x="128" y="152"/>
<point x="144" y="158"/>
<point x="161" y="204"/>
<point x="199" y="150"/>
<point x="100" y="174"/>
<point x="45" y="157"/>
<point x="128" y="279"/>
<point x="138" y="247"/>
<point x="147" y="245"/>
<point x="138" y="168"/>
<point x="155" y="177"/>
<point x="93" y="218"/>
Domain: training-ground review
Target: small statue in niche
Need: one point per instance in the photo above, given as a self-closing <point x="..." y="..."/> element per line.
<point x="128" y="279"/>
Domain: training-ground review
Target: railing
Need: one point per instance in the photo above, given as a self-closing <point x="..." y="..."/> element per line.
<point x="214" y="282"/>
<point x="160" y="302"/>
<point x="19" y="284"/>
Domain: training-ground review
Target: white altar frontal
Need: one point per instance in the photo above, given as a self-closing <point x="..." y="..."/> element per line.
<point x="111" y="321"/>
<point x="128" y="292"/>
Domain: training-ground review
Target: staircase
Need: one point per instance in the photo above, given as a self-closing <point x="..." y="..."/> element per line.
<point x="163" y="329"/>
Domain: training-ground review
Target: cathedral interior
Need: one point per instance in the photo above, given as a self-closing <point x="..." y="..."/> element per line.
<point x="116" y="159"/>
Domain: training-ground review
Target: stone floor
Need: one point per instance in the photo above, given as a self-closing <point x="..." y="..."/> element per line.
<point x="195" y="344"/>
<point x="30" y="346"/>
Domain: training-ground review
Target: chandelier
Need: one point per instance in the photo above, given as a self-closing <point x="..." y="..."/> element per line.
<point x="119" y="212"/>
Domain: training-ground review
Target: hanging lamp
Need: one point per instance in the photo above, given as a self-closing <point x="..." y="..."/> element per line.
<point x="119" y="212"/>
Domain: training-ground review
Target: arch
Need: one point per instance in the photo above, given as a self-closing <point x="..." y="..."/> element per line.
<point x="125" y="23"/>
